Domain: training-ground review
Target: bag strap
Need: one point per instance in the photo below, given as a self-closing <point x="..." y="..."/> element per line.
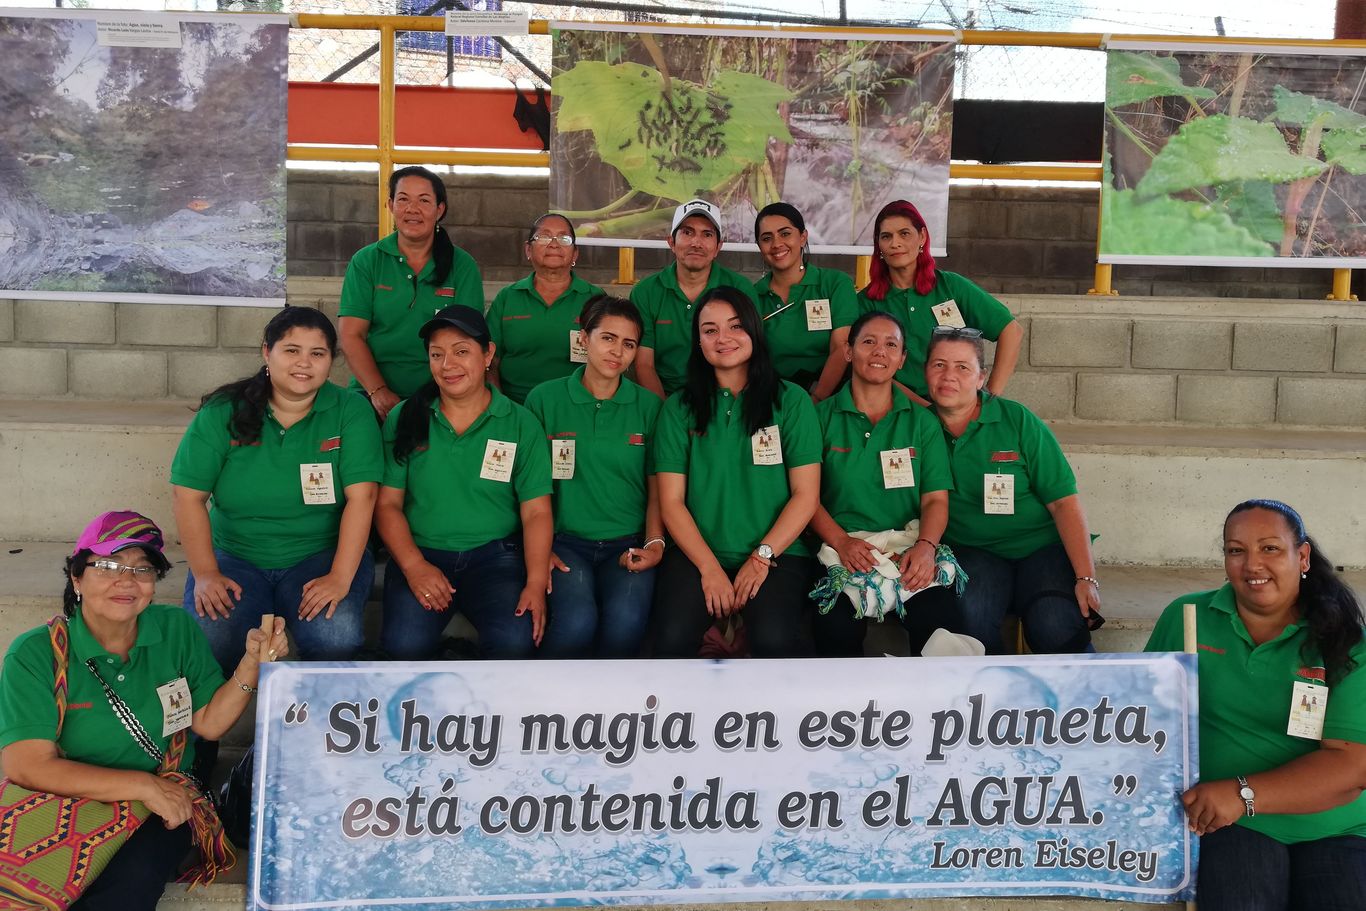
<point x="60" y="637"/>
<point x="168" y="761"/>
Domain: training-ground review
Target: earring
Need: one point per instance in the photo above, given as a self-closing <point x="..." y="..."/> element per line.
<point x="78" y="596"/>
<point x="1304" y="575"/>
<point x="920" y="249"/>
<point x="267" y="371"/>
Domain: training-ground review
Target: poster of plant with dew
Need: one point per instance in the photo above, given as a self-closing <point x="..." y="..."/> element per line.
<point x="645" y="118"/>
<point x="1224" y="155"/>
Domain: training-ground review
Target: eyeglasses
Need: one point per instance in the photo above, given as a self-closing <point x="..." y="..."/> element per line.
<point x="111" y="569"/>
<point x="543" y="240"/>
<point x="955" y="332"/>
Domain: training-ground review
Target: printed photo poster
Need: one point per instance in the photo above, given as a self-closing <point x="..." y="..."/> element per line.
<point x="644" y="118"/>
<point x="1227" y="155"/>
<point x="142" y="156"/>
<point x="439" y="786"/>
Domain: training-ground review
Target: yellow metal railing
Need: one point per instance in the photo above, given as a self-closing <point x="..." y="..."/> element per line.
<point x="386" y="155"/>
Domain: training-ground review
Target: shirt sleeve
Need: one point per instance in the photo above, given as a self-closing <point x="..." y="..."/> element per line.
<point x="203" y="450"/>
<point x="844" y="308"/>
<point x="395" y="472"/>
<point x="650" y="407"/>
<point x="531" y="466"/>
<point x="639" y="295"/>
<point x="358" y="288"/>
<point x="801" y="430"/>
<point x="362" y="452"/>
<point x="670" y="448"/>
<point x="467" y="282"/>
<point x="197" y="663"/>
<point x="28" y="708"/>
<point x="1049" y="474"/>
<point x="1169" y="631"/>
<point x="495" y="319"/>
<point x="1346" y="715"/>
<point x="979" y="309"/>
<point x="935" y="473"/>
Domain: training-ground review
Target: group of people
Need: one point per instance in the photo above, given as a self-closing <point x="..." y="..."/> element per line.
<point x="586" y="476"/>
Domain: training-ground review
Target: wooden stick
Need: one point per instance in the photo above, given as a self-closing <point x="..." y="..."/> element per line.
<point x="1188" y="616"/>
<point x="267" y="627"/>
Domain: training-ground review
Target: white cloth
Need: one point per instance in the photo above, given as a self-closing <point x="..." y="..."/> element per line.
<point x="885" y="544"/>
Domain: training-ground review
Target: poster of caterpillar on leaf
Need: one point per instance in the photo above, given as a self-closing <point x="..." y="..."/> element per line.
<point x="644" y="119"/>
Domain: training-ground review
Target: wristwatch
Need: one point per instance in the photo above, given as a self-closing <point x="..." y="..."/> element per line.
<point x="764" y="552"/>
<point x="1245" y="791"/>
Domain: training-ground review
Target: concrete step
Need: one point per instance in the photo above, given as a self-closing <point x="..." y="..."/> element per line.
<point x="1155" y="494"/>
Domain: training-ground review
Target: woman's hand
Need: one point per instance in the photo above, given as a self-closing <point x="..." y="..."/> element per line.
<point x="258" y="649"/>
<point x="856" y="554"/>
<point x="323" y="593"/>
<point x="430" y="585"/>
<point x="556" y="565"/>
<point x="1088" y="597"/>
<point x="1211" y="805"/>
<point x="383" y="401"/>
<point x="533" y="600"/>
<point x="917" y="566"/>
<point x="639" y="559"/>
<point x="718" y="592"/>
<point x="214" y="594"/>
<point x="171" y="801"/>
<point x="750" y="578"/>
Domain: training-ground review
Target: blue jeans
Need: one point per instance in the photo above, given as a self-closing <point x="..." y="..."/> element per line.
<point x="598" y="608"/>
<point x="1243" y="870"/>
<point x="279" y="592"/>
<point x="1040" y="589"/>
<point x="488" y="580"/>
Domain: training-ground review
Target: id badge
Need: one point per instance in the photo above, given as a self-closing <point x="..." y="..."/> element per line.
<point x="946" y="314"/>
<point x="818" y="315"/>
<point x="578" y="352"/>
<point x="896" y="468"/>
<point x="1308" y="705"/>
<point x="767" y="446"/>
<point x="176" y="708"/>
<point x="498" y="459"/>
<point x="998" y="494"/>
<point x="316" y="479"/>
<point x="562" y="460"/>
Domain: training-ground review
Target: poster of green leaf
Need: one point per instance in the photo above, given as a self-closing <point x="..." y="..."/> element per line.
<point x="1223" y="155"/>
<point x="644" y="118"/>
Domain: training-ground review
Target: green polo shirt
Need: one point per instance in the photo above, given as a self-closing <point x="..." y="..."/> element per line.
<point x="448" y="504"/>
<point x="796" y="349"/>
<point x="605" y="499"/>
<point x="258" y="511"/>
<point x="381" y="288"/>
<point x="532" y="338"/>
<point x="668" y="318"/>
<point x="1007" y="439"/>
<point x="1245" y="695"/>
<point x="734" y="501"/>
<point x="916" y="311"/>
<point x="853" y="489"/>
<point x="169" y="646"/>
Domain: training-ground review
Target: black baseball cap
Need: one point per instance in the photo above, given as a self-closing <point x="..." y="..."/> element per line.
<point x="457" y="316"/>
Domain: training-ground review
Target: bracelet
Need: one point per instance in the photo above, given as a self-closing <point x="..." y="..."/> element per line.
<point x="927" y="541"/>
<point x="662" y="545"/>
<point x="1091" y="579"/>
<point x="242" y="686"/>
<point x="371" y="393"/>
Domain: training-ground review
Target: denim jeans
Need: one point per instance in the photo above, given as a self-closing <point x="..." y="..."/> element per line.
<point x="487" y="580"/>
<point x="1040" y="589"/>
<point x="599" y="608"/>
<point x="279" y="592"/>
<point x="137" y="875"/>
<point x="839" y="634"/>
<point x="1243" y="870"/>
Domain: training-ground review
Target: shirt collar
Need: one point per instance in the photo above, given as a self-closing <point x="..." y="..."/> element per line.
<point x="844" y="400"/>
<point x="389" y="244"/>
<point x="808" y="278"/>
<point x="499" y="406"/>
<point x="579" y="394"/>
<point x="1224" y="602"/>
<point x="85" y="646"/>
<point x="669" y="277"/>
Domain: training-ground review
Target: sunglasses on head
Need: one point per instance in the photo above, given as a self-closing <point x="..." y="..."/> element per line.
<point x="956" y="332"/>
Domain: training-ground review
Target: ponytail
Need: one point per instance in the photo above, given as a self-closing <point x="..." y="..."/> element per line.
<point x="414" y="422"/>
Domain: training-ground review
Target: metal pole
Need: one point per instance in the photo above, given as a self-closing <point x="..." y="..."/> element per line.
<point x="387" y="35"/>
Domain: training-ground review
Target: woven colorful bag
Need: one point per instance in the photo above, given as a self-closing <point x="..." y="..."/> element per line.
<point x="51" y="847"/>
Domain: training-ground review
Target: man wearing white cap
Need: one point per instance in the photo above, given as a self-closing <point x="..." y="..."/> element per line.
<point x="665" y="299"/>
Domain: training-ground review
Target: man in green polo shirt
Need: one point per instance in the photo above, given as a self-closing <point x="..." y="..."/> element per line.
<point x="665" y="299"/>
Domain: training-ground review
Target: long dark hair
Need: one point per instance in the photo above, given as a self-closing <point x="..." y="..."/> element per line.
<point x="76" y="564"/>
<point x="1326" y="603"/>
<point x="764" y="388"/>
<point x="443" y="250"/>
<point x="250" y="395"/>
<point x="879" y="276"/>
<point x="414" y="426"/>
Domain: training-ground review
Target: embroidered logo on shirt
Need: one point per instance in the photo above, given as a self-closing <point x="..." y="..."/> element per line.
<point x="240" y="443"/>
<point x="445" y="292"/>
<point x="1209" y="648"/>
<point x="1006" y="456"/>
<point x="517" y="316"/>
<point x="72" y="706"/>
<point x="636" y="439"/>
<point x="664" y="322"/>
<point x="330" y="444"/>
<point x="1312" y="673"/>
<point x="384" y="287"/>
<point x="840" y="449"/>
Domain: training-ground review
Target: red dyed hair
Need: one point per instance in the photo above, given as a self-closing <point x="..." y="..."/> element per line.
<point x="879" y="277"/>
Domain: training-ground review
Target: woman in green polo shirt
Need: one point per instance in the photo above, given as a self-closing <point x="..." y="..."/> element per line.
<point x="393" y="287"/>
<point x="534" y="323"/>
<point x="807" y="310"/>
<point x="1280" y="808"/>
<point x="904" y="280"/>
<point x="291" y="464"/>
<point x="885" y="466"/>
<point x="465" y="506"/>
<point x="737" y="452"/>
<point x="1016" y="523"/>
<point x="608" y="532"/>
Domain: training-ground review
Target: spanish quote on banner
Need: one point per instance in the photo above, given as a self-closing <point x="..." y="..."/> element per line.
<point x="1228" y="155"/>
<point x="511" y="784"/>
<point x="646" y="117"/>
